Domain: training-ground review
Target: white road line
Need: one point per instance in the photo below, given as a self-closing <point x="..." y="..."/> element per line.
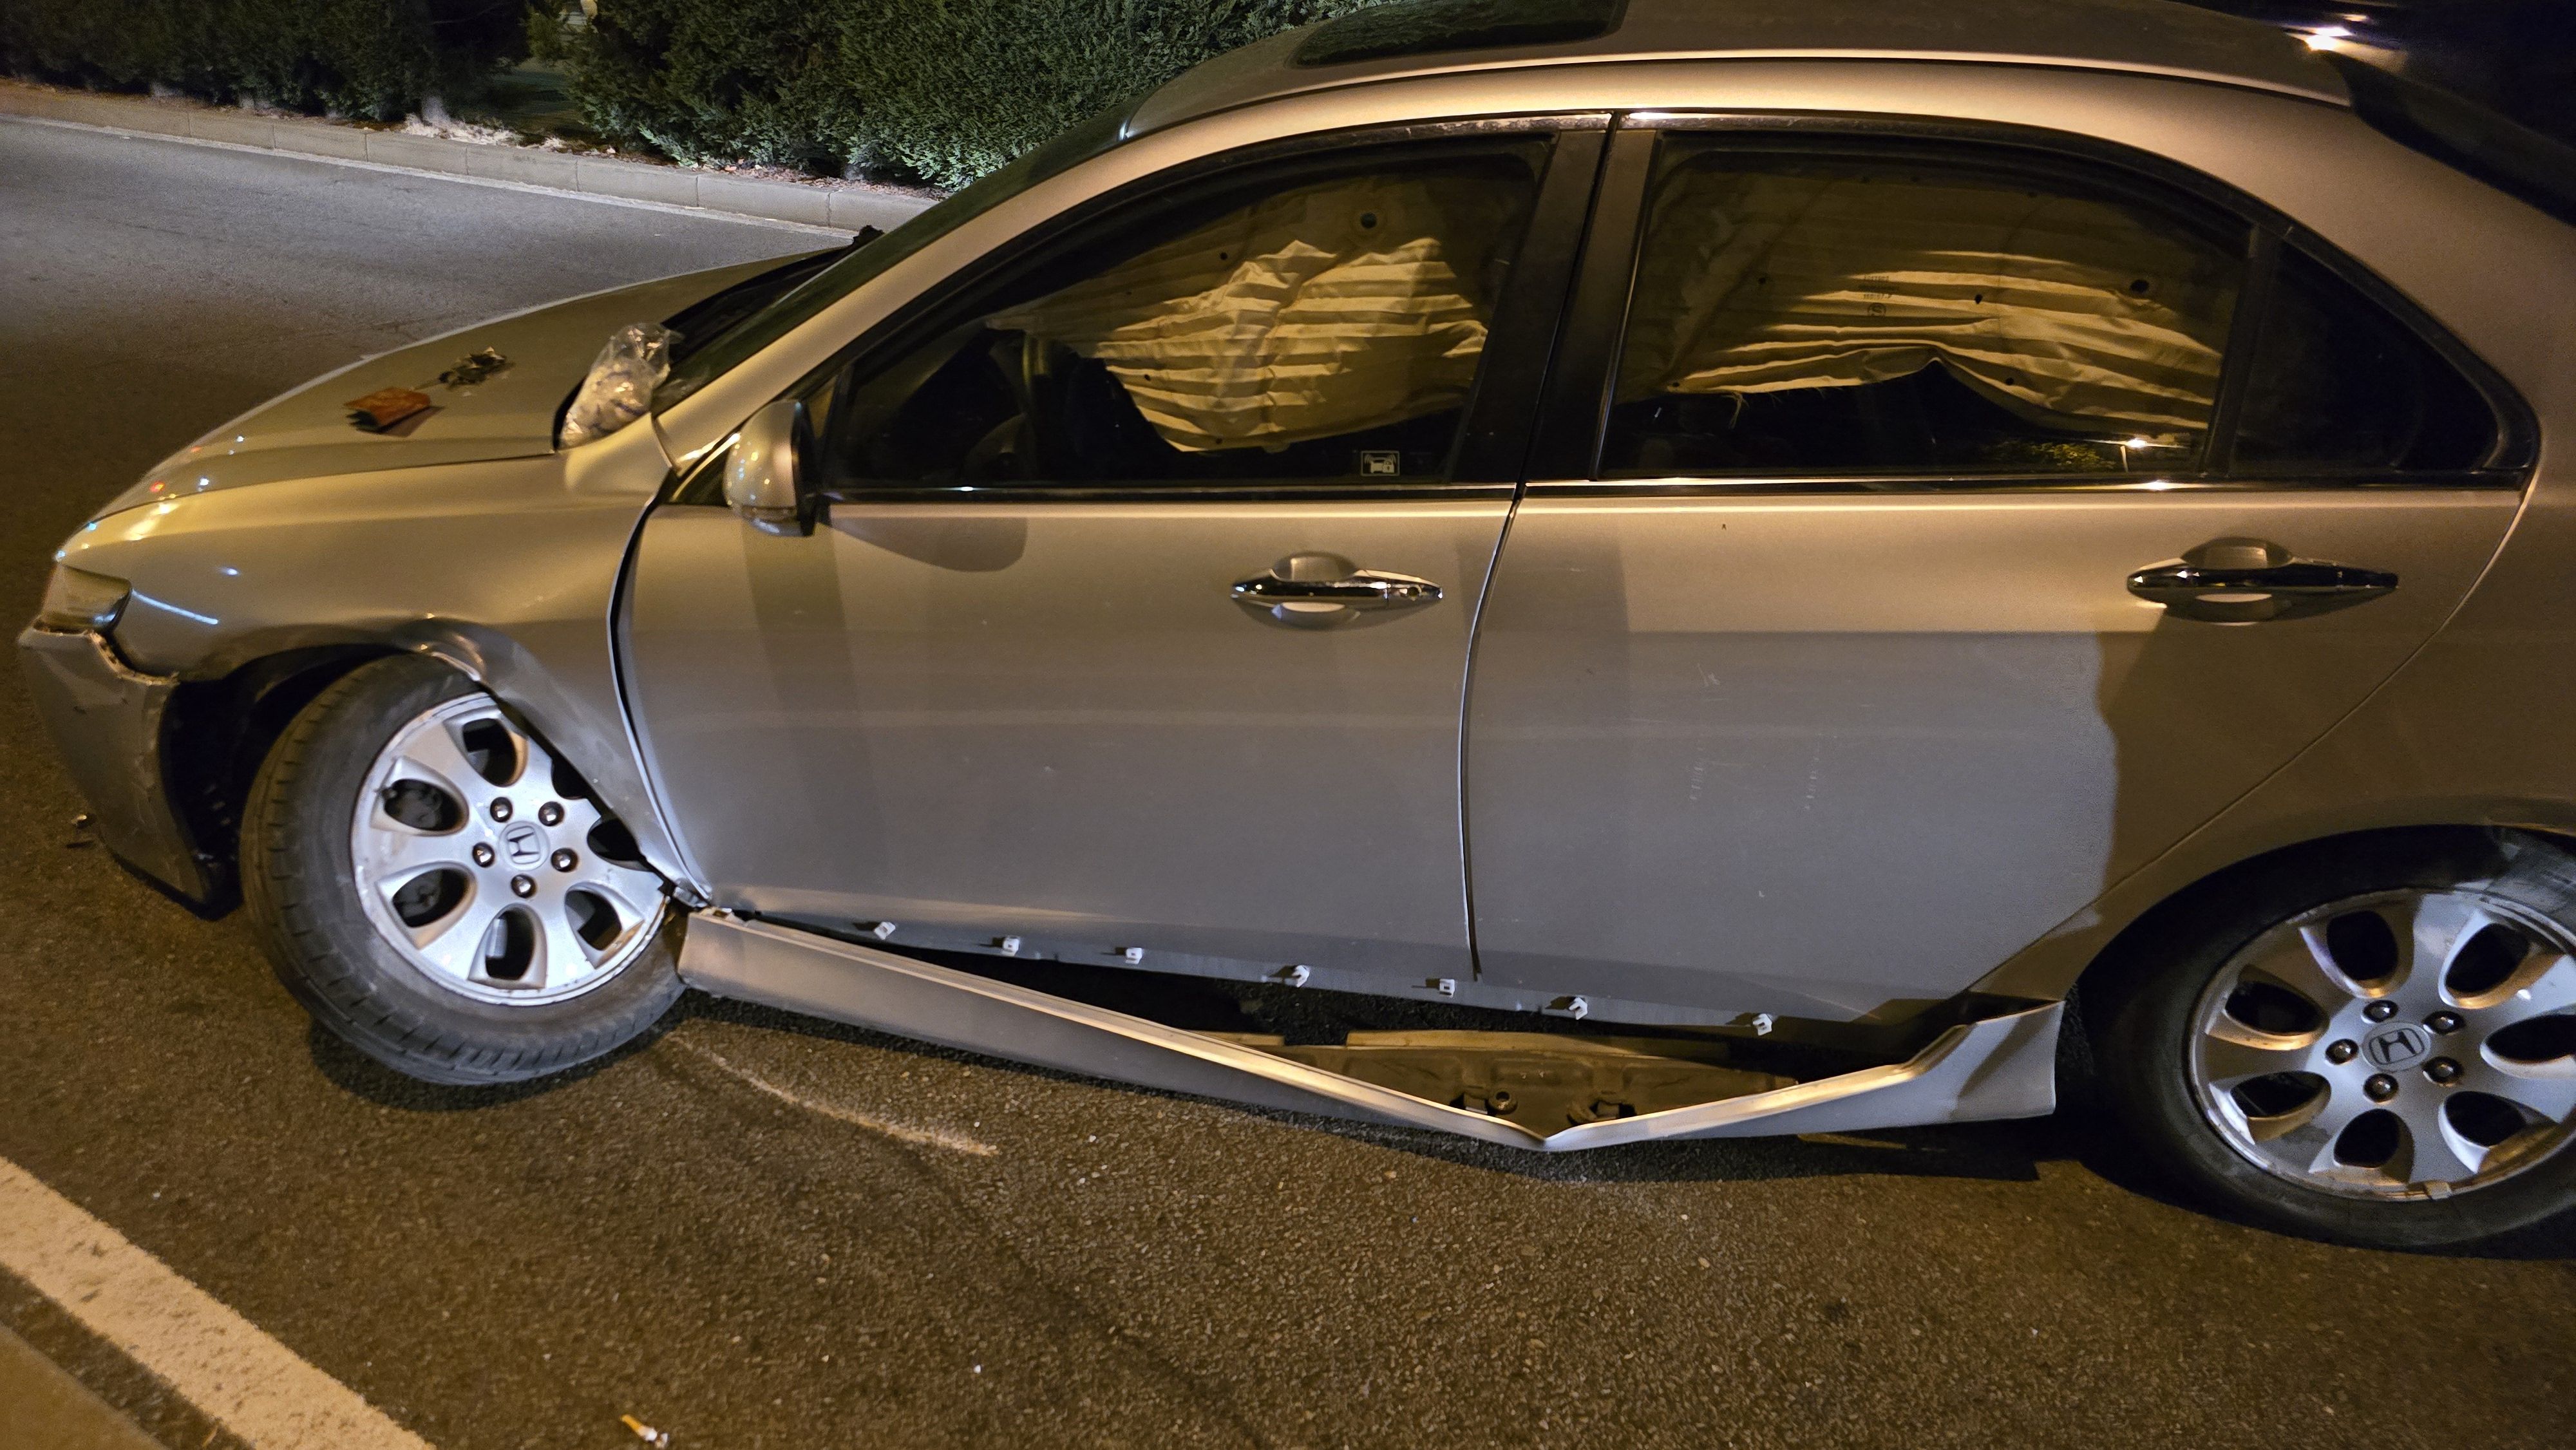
<point x="703" y="213"/>
<point x="218" y="1361"/>
<point x="900" y="1132"/>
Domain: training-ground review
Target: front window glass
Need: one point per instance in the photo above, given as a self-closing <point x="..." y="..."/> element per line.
<point x="1323" y="322"/>
<point x="1797" y="314"/>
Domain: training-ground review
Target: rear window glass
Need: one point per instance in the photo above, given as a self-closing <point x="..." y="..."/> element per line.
<point x="2337" y="385"/>
<point x="1796" y="315"/>
<point x="1428" y="27"/>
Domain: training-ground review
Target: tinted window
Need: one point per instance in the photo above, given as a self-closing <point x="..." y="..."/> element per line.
<point x="1801" y="314"/>
<point x="2337" y="385"/>
<point x="1324" y="322"/>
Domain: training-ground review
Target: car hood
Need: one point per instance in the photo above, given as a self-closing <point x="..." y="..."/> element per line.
<point x="509" y="414"/>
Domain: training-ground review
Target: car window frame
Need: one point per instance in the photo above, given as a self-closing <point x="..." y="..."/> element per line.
<point x="713" y="356"/>
<point x="1498" y="416"/>
<point x="1574" y="416"/>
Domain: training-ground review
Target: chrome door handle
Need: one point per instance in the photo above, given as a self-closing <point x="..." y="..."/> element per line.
<point x="2245" y="581"/>
<point x="1366" y="589"/>
<point x="1316" y="589"/>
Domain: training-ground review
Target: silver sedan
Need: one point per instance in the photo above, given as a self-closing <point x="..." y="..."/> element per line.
<point x="1594" y="571"/>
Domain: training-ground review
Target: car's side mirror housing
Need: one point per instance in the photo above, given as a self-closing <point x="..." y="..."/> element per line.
<point x="766" y="476"/>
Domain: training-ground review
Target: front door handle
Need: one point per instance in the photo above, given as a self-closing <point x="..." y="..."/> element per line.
<point x="2246" y="581"/>
<point x="1310" y="590"/>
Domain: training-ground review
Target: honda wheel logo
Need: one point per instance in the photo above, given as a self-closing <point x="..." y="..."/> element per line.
<point x="2398" y="1046"/>
<point x="525" y="843"/>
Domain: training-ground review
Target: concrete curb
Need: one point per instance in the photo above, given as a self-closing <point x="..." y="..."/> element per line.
<point x="839" y="207"/>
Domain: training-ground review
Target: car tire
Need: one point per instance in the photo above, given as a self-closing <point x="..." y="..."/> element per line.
<point x="2173" y="1016"/>
<point x="305" y="843"/>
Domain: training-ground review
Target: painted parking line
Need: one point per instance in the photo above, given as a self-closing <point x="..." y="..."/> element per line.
<point x="218" y="1361"/>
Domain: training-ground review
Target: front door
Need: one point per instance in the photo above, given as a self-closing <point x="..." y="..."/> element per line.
<point x="1135" y="630"/>
<point x="1814" y="678"/>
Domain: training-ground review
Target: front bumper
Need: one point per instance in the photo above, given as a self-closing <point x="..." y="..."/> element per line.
<point x="106" y="723"/>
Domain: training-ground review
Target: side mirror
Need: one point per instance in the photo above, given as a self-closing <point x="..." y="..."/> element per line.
<point x="765" y="477"/>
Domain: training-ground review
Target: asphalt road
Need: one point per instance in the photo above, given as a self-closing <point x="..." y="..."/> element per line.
<point x="754" y="1231"/>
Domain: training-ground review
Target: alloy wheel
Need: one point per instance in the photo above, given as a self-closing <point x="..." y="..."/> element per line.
<point x="487" y="867"/>
<point x="2405" y="1043"/>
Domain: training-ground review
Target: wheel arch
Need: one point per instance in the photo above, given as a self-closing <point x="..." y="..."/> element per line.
<point x="2143" y="1008"/>
<point x="2170" y="920"/>
<point x="218" y="731"/>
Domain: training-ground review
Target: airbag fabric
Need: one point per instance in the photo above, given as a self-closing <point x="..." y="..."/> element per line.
<point x="2066" y="310"/>
<point x="1316" y="312"/>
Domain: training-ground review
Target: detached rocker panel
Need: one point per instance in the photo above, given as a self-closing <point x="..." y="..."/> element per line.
<point x="1999" y="1067"/>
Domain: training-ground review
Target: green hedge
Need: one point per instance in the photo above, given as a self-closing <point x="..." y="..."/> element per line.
<point x="358" y="57"/>
<point x="938" y="90"/>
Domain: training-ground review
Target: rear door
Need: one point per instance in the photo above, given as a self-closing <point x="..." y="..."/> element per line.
<point x="1135" y="629"/>
<point x="1927" y="532"/>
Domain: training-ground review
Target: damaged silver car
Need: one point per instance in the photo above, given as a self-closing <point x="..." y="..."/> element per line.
<point x="1602" y="572"/>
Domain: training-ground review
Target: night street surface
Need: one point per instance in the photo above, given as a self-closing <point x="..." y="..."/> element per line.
<point x="753" y="1230"/>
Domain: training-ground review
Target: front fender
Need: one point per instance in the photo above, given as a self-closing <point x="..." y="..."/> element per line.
<point x="507" y="569"/>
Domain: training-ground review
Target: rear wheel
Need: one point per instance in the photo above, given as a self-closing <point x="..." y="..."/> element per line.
<point x="442" y="892"/>
<point x="2378" y="1047"/>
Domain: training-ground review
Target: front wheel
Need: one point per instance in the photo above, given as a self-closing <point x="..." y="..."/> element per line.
<point x="2378" y="1047"/>
<point x="441" y="892"/>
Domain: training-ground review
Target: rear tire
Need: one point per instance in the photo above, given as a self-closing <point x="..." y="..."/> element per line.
<point x="375" y="863"/>
<point x="2324" y="1049"/>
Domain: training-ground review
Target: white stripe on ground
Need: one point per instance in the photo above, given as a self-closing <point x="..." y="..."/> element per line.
<point x="901" y="1133"/>
<point x="704" y="213"/>
<point x="212" y="1357"/>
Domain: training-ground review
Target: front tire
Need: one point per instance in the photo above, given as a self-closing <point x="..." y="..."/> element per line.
<point x="441" y="893"/>
<point x="2376" y="1046"/>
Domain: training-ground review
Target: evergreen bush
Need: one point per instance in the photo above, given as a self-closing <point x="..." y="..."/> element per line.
<point x="375" y="58"/>
<point x="934" y="90"/>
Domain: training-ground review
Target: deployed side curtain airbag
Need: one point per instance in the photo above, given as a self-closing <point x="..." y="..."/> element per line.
<point x="1316" y="312"/>
<point x="2067" y="311"/>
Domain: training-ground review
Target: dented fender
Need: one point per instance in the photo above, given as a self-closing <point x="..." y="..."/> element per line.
<point x="506" y="569"/>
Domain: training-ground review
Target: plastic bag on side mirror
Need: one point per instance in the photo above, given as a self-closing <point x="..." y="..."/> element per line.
<point x="763" y="481"/>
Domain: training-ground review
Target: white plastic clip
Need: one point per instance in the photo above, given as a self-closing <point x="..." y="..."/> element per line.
<point x="1010" y="946"/>
<point x="1295" y="976"/>
<point x="1445" y="986"/>
<point x="1133" y="955"/>
<point x="1761" y="1024"/>
<point x="881" y="930"/>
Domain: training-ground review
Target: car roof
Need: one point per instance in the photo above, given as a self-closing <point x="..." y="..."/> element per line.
<point x="2149" y="37"/>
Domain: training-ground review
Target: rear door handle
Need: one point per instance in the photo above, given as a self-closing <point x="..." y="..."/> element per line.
<point x="1320" y="589"/>
<point x="2246" y="581"/>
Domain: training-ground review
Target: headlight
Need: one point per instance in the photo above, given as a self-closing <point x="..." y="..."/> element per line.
<point x="77" y="600"/>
